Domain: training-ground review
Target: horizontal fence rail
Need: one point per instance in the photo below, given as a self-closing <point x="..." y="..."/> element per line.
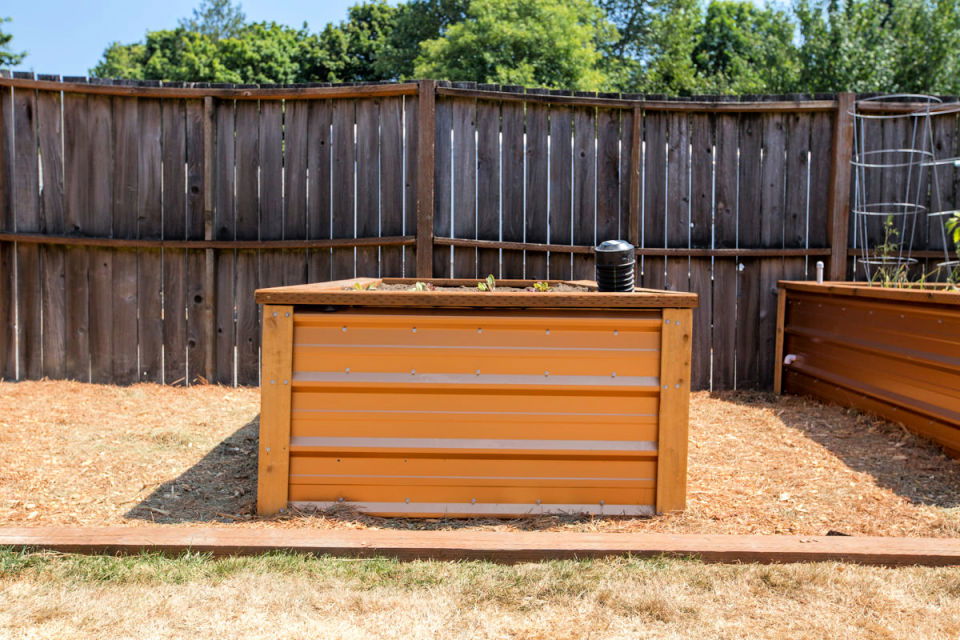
<point x="137" y="218"/>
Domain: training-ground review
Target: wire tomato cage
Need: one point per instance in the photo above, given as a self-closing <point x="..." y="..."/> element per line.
<point x="896" y="183"/>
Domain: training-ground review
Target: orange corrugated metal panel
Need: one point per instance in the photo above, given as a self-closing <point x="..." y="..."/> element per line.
<point x="486" y="407"/>
<point x="897" y="356"/>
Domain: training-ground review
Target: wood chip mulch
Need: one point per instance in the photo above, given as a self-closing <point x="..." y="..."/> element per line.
<point x="83" y="454"/>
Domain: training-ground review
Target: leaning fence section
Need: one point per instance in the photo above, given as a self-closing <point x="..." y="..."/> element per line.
<point x="138" y="219"/>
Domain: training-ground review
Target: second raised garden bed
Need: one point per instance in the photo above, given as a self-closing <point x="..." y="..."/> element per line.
<point x="474" y="403"/>
<point x="894" y="352"/>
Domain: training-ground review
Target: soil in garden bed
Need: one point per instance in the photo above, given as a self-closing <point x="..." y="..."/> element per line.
<point x="554" y="288"/>
<point x="82" y="454"/>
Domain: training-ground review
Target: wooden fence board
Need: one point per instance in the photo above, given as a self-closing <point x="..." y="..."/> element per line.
<point x="126" y="133"/>
<point x="271" y="150"/>
<point x="584" y="188"/>
<point x="724" y="336"/>
<point x="53" y="303"/>
<point x="796" y="209"/>
<point x="537" y="186"/>
<point x="76" y="187"/>
<point x="411" y="171"/>
<point x="443" y="185"/>
<point x="488" y="185"/>
<point x="727" y="182"/>
<point x="225" y="228"/>
<point x="319" y="146"/>
<point x="8" y="353"/>
<point x="199" y="331"/>
<point x="821" y="133"/>
<point x="248" y="228"/>
<point x="512" y="185"/>
<point x="747" y="329"/>
<point x="150" y="274"/>
<point x="463" y="221"/>
<point x="27" y="218"/>
<point x="561" y="189"/>
<point x="368" y="185"/>
<point x="391" y="184"/>
<point x="174" y="154"/>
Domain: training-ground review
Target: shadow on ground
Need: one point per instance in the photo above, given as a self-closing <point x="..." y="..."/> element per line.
<point x="906" y="464"/>
<point x="221" y="487"/>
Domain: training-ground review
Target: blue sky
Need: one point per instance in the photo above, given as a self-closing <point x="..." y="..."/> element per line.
<point x="68" y="37"/>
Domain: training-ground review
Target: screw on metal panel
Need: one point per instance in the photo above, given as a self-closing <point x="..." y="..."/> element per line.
<point x="613" y="374"/>
<point x="287" y="314"/>
<point x="286" y="382"/>
<point x="340" y="499"/>
<point x="546" y="374"/>
<point x="602" y="503"/>
<point x="343" y="329"/>
<point x="538" y="500"/>
<point x="407" y="500"/>
<point x="477" y="371"/>
<point x="479" y="330"/>
<point x="347" y="370"/>
<point x="666" y="322"/>
<point x="275" y="314"/>
<point x="666" y="386"/>
<point x="413" y="329"/>
<point x="677" y="386"/>
<point x="677" y="323"/>
<point x="267" y="449"/>
<point x="473" y="501"/>
<point x="616" y="332"/>
<point x="273" y="382"/>
<point x="413" y="372"/>
<point x="548" y="331"/>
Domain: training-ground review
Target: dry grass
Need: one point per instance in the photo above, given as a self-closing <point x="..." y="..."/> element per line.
<point x="74" y="453"/>
<point x="291" y="596"/>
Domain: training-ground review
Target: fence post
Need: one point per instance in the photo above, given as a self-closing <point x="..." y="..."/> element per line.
<point x="426" y="165"/>
<point x="209" y="274"/>
<point x="838" y="192"/>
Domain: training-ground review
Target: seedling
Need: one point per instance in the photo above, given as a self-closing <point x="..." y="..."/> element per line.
<point x="369" y="286"/>
<point x="541" y="286"/>
<point x="421" y="286"/>
<point x="489" y="284"/>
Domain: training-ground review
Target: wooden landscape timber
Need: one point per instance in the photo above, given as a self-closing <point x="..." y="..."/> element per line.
<point x="506" y="547"/>
<point x="470" y="403"/>
<point x="892" y="351"/>
<point x="723" y="196"/>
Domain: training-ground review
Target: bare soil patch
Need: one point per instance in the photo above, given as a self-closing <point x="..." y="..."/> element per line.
<point x="82" y="454"/>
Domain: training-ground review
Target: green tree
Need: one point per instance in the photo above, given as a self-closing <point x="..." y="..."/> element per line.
<point x="743" y="48"/>
<point x="217" y="19"/>
<point x="846" y="45"/>
<point x="415" y="22"/>
<point x="353" y="48"/>
<point x="8" y="57"/>
<point x="668" y="67"/>
<point x="552" y="43"/>
<point x="261" y="52"/>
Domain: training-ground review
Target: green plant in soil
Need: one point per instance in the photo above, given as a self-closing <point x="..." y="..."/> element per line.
<point x="541" y="286"/>
<point x="953" y="232"/>
<point x="490" y="284"/>
<point x="893" y="274"/>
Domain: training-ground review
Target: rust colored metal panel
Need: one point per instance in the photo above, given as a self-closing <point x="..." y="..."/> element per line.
<point x="894" y="352"/>
<point x="477" y="411"/>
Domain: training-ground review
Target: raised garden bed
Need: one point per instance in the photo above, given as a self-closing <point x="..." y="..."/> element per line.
<point x="892" y="351"/>
<point x="409" y="401"/>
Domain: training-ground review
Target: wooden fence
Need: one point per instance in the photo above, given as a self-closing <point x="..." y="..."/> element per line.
<point x="136" y="220"/>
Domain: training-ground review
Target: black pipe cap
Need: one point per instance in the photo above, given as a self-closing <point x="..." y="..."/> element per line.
<point x="615" y="253"/>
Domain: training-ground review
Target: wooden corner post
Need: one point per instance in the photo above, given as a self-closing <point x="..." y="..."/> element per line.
<point x="426" y="166"/>
<point x="778" y="350"/>
<point x="675" y="355"/>
<point x="838" y="190"/>
<point x="276" y="380"/>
